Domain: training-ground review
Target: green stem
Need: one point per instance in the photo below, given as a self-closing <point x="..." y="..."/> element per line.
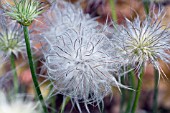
<point x="138" y="91"/>
<point x="32" y="68"/>
<point x="53" y="104"/>
<point x="122" y="96"/>
<point x="132" y="83"/>
<point x="63" y="105"/>
<point x="15" y="77"/>
<point x="101" y="107"/>
<point x="53" y="100"/>
<point x="113" y="10"/>
<point x="155" y="97"/>
<point x="146" y="4"/>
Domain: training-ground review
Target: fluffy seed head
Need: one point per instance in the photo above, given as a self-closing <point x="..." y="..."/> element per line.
<point x="17" y="105"/>
<point x="11" y="38"/>
<point x="24" y="11"/>
<point x="145" y="41"/>
<point x="80" y="61"/>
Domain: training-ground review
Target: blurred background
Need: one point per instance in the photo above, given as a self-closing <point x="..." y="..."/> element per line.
<point x="101" y="8"/>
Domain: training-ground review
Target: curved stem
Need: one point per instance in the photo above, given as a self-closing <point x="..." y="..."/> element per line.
<point x="146" y="4"/>
<point x="32" y="68"/>
<point x="123" y="95"/>
<point x="113" y="10"/>
<point x="138" y="91"/>
<point x="63" y="105"/>
<point x="155" y="97"/>
<point x="101" y="107"/>
<point x="53" y="104"/>
<point x="15" y="77"/>
<point x="132" y="83"/>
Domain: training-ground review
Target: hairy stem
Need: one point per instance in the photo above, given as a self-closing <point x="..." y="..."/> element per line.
<point x="146" y="4"/>
<point x="113" y="10"/>
<point x="138" y="91"/>
<point x="123" y="95"/>
<point x="15" y="77"/>
<point x="63" y="105"/>
<point x="53" y="104"/>
<point x="131" y="93"/>
<point x="155" y="97"/>
<point x="32" y="68"/>
<point x="101" y="107"/>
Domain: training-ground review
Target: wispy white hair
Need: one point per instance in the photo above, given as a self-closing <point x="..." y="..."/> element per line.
<point x="81" y="63"/>
<point x="144" y="41"/>
<point x="17" y="104"/>
<point x="11" y="38"/>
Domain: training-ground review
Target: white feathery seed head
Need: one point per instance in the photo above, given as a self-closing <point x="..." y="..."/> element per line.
<point x="144" y="41"/>
<point x="18" y="105"/>
<point x="81" y="63"/>
<point x="11" y="38"/>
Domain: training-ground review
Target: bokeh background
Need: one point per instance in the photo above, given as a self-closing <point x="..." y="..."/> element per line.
<point x="101" y="8"/>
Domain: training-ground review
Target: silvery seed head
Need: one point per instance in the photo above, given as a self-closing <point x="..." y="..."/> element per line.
<point x="23" y="11"/>
<point x="81" y="63"/>
<point x="143" y="41"/>
<point x="11" y="38"/>
<point x="17" y="105"/>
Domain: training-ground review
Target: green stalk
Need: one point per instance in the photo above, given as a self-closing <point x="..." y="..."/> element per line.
<point x="146" y="4"/>
<point x="132" y="83"/>
<point x="138" y="91"/>
<point x="53" y="100"/>
<point x="113" y="10"/>
<point x="15" y="77"/>
<point x="32" y="68"/>
<point x="101" y="107"/>
<point x="63" y="105"/>
<point x="123" y="95"/>
<point x="155" y="97"/>
<point x="53" y="104"/>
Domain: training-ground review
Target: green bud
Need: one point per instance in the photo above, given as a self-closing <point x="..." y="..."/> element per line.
<point x="24" y="11"/>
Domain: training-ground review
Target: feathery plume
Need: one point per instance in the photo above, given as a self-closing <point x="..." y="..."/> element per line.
<point x="144" y="41"/>
<point x="81" y="63"/>
<point x="15" y="105"/>
<point x="11" y="38"/>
